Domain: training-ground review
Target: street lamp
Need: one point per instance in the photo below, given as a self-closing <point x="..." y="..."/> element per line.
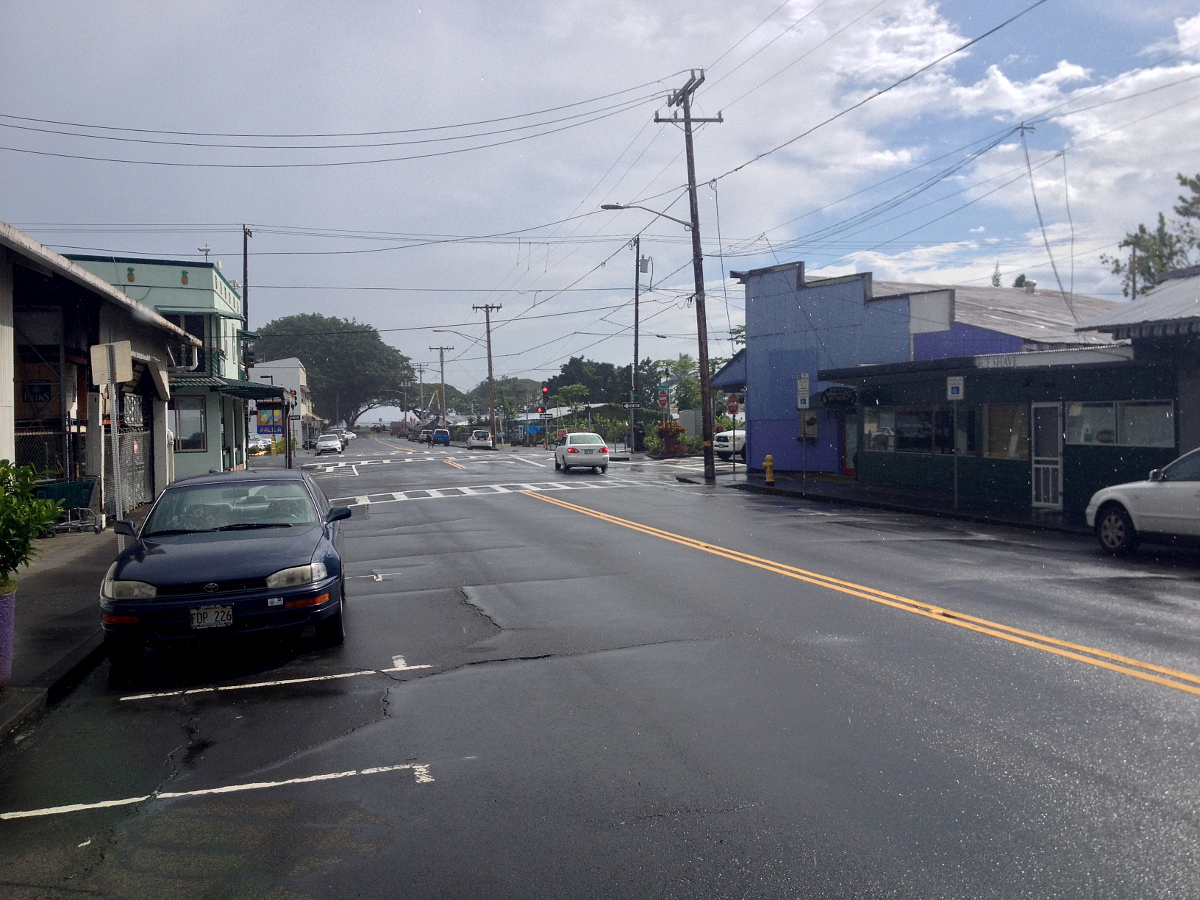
<point x="611" y="206"/>
<point x="706" y="410"/>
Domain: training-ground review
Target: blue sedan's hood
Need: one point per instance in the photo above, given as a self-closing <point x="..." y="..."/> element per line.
<point x="217" y="556"/>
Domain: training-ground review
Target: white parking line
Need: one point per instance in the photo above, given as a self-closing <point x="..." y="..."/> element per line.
<point x="398" y="665"/>
<point x="420" y="774"/>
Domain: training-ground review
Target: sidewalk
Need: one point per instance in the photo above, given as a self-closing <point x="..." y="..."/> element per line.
<point x="840" y="489"/>
<point x="57" y="638"/>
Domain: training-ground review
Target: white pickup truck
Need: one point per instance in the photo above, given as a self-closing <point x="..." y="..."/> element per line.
<point x="727" y="443"/>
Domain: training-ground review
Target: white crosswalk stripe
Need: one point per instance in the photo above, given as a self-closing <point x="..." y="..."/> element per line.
<point x="476" y="490"/>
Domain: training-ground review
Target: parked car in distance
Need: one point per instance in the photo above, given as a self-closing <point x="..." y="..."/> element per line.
<point x="426" y="436"/>
<point x="329" y="443"/>
<point x="481" y="439"/>
<point x="581" y="449"/>
<point x="1165" y="505"/>
<point x="727" y="443"/>
<point x="441" y="436"/>
<point x="226" y="553"/>
<point x="260" y="443"/>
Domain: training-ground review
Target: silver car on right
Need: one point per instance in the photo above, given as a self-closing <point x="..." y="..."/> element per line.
<point x="1166" y="505"/>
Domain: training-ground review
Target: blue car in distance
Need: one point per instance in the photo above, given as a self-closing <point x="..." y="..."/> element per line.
<point x="227" y="553"/>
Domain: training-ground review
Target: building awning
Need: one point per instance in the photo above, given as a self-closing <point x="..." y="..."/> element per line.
<point x="732" y="375"/>
<point x="246" y="390"/>
<point x="55" y="264"/>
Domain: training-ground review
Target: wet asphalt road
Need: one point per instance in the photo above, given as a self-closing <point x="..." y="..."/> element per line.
<point x="619" y="685"/>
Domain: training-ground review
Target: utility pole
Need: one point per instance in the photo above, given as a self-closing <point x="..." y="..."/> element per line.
<point x="634" y="398"/>
<point x="487" y="312"/>
<point x="442" y="356"/>
<point x="246" y="235"/>
<point x="1132" y="273"/>
<point x="683" y="98"/>
<point x="420" y="367"/>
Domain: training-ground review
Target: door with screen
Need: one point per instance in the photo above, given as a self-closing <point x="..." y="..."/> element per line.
<point x="1046" y="452"/>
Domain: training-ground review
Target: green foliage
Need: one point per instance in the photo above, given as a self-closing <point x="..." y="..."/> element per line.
<point x="604" y="382"/>
<point x="350" y="369"/>
<point x="672" y="436"/>
<point x="996" y="275"/>
<point x="1153" y="253"/>
<point x="22" y="518"/>
<point x="1019" y="281"/>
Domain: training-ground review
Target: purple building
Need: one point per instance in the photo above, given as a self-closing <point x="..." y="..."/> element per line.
<point x="797" y="326"/>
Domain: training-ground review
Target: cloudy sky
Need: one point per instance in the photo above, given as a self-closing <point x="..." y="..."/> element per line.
<point x="401" y="162"/>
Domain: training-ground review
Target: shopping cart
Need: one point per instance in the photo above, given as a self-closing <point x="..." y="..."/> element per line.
<point x="75" y="498"/>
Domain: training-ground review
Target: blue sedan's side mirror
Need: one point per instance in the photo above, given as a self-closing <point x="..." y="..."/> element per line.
<point x="337" y="513"/>
<point x="123" y="526"/>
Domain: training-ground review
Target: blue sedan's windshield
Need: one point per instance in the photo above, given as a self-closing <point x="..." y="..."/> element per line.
<point x="245" y="505"/>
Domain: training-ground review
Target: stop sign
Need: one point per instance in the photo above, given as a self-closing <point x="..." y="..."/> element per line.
<point x="663" y="398"/>
<point x="732" y="404"/>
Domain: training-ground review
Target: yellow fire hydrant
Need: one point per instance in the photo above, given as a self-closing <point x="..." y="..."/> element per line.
<point x="769" y="469"/>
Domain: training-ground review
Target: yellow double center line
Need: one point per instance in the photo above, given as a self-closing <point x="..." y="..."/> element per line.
<point x="1172" y="678"/>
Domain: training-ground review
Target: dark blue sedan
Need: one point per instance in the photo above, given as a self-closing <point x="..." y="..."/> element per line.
<point x="229" y="553"/>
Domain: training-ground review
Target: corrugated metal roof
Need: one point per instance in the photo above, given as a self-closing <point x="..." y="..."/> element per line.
<point x="24" y="245"/>
<point x="1041" y="316"/>
<point x="1176" y="300"/>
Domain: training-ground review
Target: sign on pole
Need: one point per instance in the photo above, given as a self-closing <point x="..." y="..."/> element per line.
<point x="732" y="404"/>
<point x="663" y="397"/>
<point x="802" y="391"/>
<point x="119" y="365"/>
<point x="954" y="387"/>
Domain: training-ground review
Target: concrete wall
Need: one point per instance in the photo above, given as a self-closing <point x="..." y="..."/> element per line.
<point x="8" y="422"/>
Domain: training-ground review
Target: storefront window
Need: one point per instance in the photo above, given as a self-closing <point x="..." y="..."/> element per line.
<point x="879" y="429"/>
<point x="1091" y="423"/>
<point x="189" y="424"/>
<point x="1144" y="424"/>
<point x="1147" y="424"/>
<point x="918" y="430"/>
<point x="1007" y="426"/>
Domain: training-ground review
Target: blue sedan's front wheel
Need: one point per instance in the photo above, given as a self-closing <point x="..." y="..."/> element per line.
<point x="330" y="631"/>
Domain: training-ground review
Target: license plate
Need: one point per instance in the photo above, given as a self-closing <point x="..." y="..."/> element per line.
<point x="212" y="617"/>
<point x="589" y="452"/>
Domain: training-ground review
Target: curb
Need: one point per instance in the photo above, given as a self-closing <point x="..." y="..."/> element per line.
<point x="894" y="506"/>
<point x="21" y="705"/>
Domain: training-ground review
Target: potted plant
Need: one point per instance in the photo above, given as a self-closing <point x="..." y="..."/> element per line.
<point x="22" y="518"/>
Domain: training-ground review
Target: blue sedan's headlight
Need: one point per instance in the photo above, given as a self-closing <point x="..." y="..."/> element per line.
<point x="127" y="590"/>
<point x="297" y="575"/>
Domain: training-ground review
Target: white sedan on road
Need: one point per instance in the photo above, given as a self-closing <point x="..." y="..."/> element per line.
<point x="480" y="439"/>
<point x="1165" y="504"/>
<point x="580" y="450"/>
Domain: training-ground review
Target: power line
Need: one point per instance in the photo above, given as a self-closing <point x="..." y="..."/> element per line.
<point x="323" y="165"/>
<point x="882" y="91"/>
<point x="344" y="134"/>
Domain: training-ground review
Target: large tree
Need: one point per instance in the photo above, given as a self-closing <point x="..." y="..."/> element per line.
<point x="605" y="382"/>
<point x="1171" y="245"/>
<point x="350" y="369"/>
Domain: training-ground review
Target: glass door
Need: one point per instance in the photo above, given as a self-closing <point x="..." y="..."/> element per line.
<point x="1046" y="452"/>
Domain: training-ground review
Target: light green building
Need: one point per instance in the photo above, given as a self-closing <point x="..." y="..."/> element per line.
<point x="209" y="388"/>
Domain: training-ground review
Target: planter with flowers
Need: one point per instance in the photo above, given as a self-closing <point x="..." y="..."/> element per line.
<point x="22" y="518"/>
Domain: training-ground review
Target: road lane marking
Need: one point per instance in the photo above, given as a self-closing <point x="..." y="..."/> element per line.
<point x="479" y="490"/>
<point x="420" y="776"/>
<point x="456" y="465"/>
<point x="1161" y="675"/>
<point x="398" y="665"/>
